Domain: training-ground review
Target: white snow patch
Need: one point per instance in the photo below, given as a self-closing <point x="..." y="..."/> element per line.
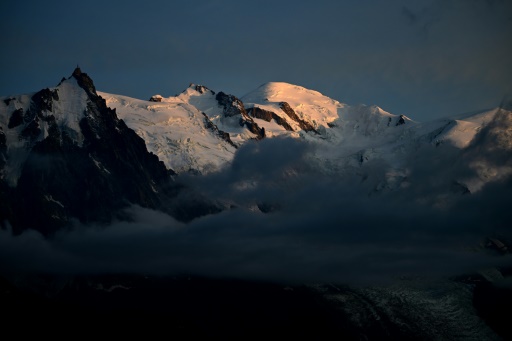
<point x="70" y="108"/>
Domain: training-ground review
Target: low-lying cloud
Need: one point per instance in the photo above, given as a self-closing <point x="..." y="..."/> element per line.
<point x="318" y="227"/>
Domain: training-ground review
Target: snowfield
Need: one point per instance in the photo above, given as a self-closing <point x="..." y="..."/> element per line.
<point x="195" y="132"/>
<point x="343" y="136"/>
<point x="175" y="131"/>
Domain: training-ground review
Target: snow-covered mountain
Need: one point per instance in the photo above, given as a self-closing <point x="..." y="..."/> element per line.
<point x="200" y="131"/>
<point x="282" y="183"/>
<point x="65" y="155"/>
<point x="177" y="132"/>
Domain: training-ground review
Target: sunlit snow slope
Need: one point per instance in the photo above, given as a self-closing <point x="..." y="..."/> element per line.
<point x="175" y="131"/>
<point x="200" y="129"/>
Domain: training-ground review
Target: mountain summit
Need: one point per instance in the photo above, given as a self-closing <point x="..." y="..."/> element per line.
<point x="283" y="184"/>
<point x="66" y="155"/>
<point x="70" y="152"/>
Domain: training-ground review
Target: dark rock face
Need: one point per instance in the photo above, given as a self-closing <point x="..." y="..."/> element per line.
<point x="43" y="99"/>
<point x="16" y="118"/>
<point x="155" y="98"/>
<point x="8" y="101"/>
<point x="84" y="81"/>
<point x="401" y="120"/>
<point x="32" y="130"/>
<point x="203" y="89"/>
<point x="262" y="114"/>
<point x="3" y="149"/>
<point x="61" y="181"/>
<point x="268" y="116"/>
<point x="253" y="128"/>
<point x="221" y="134"/>
<point x="41" y="103"/>
<point x="306" y="126"/>
<point x="234" y="107"/>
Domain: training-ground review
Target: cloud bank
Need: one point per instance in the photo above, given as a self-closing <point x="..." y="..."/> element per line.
<point x="316" y="227"/>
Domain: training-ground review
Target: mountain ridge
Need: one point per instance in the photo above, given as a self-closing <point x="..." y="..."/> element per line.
<point x="288" y="186"/>
<point x="68" y="156"/>
<point x="200" y="131"/>
<point x="306" y="119"/>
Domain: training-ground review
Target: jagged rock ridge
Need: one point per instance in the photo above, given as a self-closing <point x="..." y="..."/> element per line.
<point x="76" y="160"/>
<point x="233" y="107"/>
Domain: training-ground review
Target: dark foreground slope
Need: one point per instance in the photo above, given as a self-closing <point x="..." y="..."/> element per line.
<point x="192" y="306"/>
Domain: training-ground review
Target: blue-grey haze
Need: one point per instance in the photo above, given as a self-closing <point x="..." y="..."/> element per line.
<point x="425" y="59"/>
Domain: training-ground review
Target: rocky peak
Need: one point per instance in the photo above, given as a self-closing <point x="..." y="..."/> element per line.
<point x="77" y="72"/>
<point x="61" y="180"/>
<point x="202" y="89"/>
<point x="84" y="81"/>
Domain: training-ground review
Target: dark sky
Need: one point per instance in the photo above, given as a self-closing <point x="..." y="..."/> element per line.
<point x="425" y="59"/>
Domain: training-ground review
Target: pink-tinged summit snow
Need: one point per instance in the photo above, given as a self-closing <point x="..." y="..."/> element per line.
<point x="345" y="136"/>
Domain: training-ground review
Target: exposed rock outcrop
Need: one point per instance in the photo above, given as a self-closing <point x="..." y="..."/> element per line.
<point x="306" y="126"/>
<point x="268" y="116"/>
<point x="202" y="89"/>
<point x="233" y="107"/>
<point x="156" y="98"/>
<point x="16" y="118"/>
<point x="221" y="134"/>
